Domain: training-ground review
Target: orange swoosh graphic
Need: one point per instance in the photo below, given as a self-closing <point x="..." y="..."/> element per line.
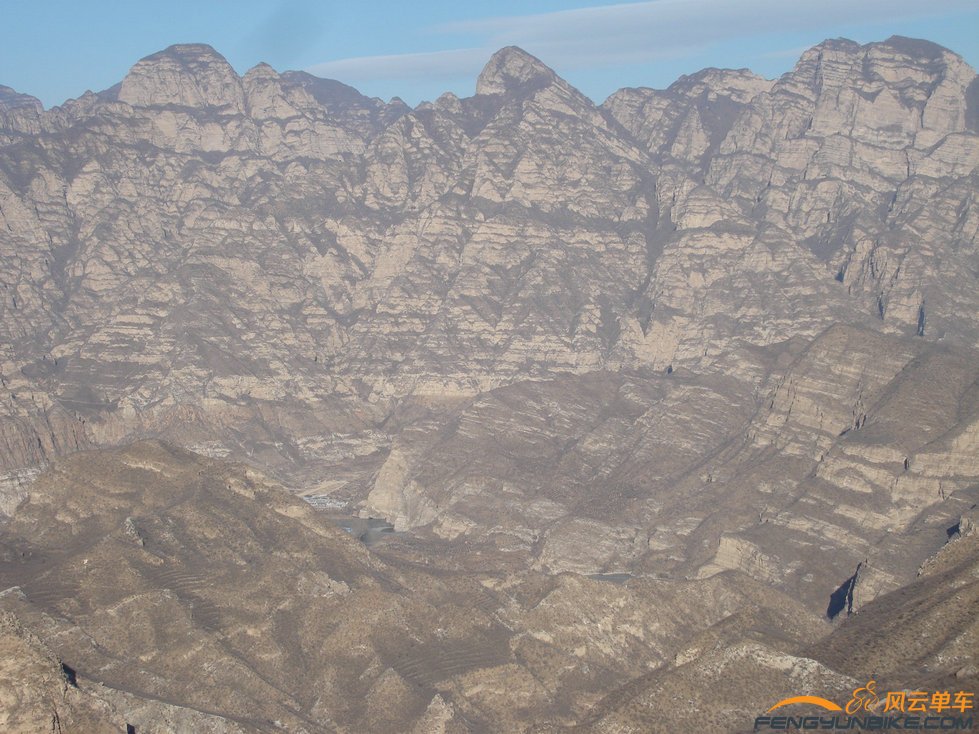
<point x="828" y="705"/>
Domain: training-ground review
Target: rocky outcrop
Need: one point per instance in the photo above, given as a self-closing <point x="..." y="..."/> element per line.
<point x="920" y="637"/>
<point x="190" y="75"/>
<point x="512" y="70"/>
<point x="688" y="331"/>
<point x="193" y="240"/>
<point x="198" y="592"/>
<point x="855" y="453"/>
<point x="714" y="346"/>
<point x="685" y="123"/>
<point x="832" y="154"/>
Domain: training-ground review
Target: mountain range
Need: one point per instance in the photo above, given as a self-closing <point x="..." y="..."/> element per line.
<point x="654" y="396"/>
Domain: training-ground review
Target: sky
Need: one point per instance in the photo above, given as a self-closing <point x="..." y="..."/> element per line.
<point x="57" y="49"/>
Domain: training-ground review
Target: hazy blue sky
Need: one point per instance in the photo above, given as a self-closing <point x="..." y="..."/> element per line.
<point x="56" y="49"/>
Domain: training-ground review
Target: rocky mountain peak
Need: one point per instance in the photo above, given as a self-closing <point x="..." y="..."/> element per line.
<point x="185" y="75"/>
<point x="916" y="47"/>
<point x="261" y="71"/>
<point x="513" y="70"/>
<point x="187" y="55"/>
<point x="11" y="99"/>
<point x="885" y="60"/>
<point x="896" y="93"/>
<point x="738" y="84"/>
<point x="19" y="112"/>
<point x="328" y="92"/>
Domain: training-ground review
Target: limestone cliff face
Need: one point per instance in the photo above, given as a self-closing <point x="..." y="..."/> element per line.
<point x="718" y="340"/>
<point x="201" y="235"/>
<point x="191" y="75"/>
<point x="686" y="123"/>
<point x="836" y="153"/>
<point x="854" y="459"/>
<point x="276" y="266"/>
<point x="18" y="113"/>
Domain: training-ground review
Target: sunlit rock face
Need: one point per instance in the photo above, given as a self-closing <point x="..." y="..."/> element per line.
<point x="195" y="240"/>
<point x="358" y="295"/>
<point x="651" y="393"/>
<point x="276" y="267"/>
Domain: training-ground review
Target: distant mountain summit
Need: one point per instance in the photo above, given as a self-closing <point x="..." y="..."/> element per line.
<point x="187" y="75"/>
<point x="512" y="69"/>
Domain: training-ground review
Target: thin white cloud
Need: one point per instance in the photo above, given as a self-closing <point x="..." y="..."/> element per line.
<point x="427" y="65"/>
<point x="631" y="33"/>
<point x="784" y="53"/>
<point x="646" y="31"/>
